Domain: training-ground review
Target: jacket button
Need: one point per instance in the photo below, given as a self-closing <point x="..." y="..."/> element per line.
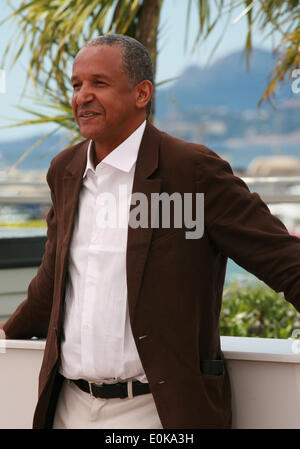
<point x="160" y="382"/>
<point x="142" y="337"/>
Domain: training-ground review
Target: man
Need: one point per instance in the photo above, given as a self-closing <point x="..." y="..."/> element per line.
<point x="131" y="313"/>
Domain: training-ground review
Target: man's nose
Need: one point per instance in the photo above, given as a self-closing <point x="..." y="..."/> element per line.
<point x="84" y="95"/>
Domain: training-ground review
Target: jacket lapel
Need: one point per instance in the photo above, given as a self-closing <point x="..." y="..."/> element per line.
<point x="138" y="241"/>
<point x="72" y="182"/>
<point x="71" y="185"/>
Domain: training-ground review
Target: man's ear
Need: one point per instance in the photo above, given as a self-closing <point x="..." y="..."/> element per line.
<point x="144" y="91"/>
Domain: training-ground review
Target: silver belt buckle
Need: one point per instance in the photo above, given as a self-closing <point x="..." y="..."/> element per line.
<point x="90" y="388"/>
<point x="91" y="391"/>
<point x="129" y="389"/>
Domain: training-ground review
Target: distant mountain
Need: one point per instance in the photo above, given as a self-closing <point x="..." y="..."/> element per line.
<point x="226" y="82"/>
<point x="218" y="106"/>
<point x="38" y="159"/>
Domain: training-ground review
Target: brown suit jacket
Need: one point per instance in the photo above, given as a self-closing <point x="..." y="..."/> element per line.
<point x="174" y="284"/>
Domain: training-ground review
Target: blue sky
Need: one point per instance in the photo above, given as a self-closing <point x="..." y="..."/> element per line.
<point x="172" y="59"/>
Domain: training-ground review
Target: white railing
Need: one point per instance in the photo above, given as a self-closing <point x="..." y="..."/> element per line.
<point x="37" y="192"/>
<point x="264" y="373"/>
<point x="271" y="179"/>
<point x="270" y="188"/>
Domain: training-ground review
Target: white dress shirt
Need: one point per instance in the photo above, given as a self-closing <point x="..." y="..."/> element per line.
<point x="98" y="344"/>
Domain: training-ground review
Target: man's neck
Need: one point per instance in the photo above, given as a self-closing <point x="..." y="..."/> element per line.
<point x="101" y="149"/>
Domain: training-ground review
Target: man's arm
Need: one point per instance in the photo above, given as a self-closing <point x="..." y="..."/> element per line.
<point x="242" y="227"/>
<point x="32" y="316"/>
<point x="2" y="333"/>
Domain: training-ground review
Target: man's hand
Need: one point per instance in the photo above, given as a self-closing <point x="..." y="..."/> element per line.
<point x="2" y="333"/>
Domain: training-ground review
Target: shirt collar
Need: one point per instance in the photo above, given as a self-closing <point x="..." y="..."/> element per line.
<point x="124" y="156"/>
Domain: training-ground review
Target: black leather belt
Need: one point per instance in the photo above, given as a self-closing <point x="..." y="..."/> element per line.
<point x="108" y="391"/>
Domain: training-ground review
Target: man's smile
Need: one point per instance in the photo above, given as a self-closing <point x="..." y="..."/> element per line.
<point x="88" y="115"/>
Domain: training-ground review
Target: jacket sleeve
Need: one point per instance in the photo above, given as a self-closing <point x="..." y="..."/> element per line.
<point x="32" y="316"/>
<point x="243" y="228"/>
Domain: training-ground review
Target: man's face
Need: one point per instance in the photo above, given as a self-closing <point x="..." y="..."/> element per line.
<point x="103" y="102"/>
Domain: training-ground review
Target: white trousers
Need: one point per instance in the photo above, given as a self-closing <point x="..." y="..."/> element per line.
<point x="78" y="410"/>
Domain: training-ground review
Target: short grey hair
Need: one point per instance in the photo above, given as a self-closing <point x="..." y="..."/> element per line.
<point x="136" y="59"/>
